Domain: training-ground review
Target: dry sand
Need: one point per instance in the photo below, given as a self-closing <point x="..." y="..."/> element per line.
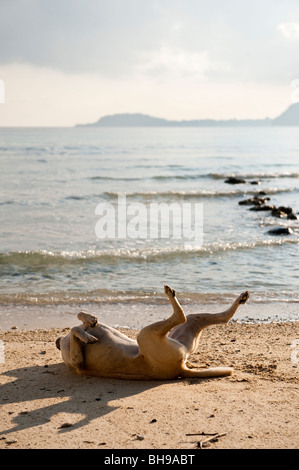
<point x="45" y="405"/>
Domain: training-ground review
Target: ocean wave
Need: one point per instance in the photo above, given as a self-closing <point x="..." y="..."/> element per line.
<point x="169" y="195"/>
<point x="188" y="176"/>
<point x="9" y="202"/>
<point x="75" y="198"/>
<point x="196" y="193"/>
<point x="47" y="259"/>
<point x="113" y="297"/>
<point x="114" y="178"/>
<point x="72" y="297"/>
<point x="223" y="176"/>
<point x="276" y="222"/>
<point x="195" y="176"/>
<point x="154" y="177"/>
<point x="256" y="175"/>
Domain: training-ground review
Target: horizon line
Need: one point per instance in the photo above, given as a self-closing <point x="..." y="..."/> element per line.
<point x="173" y="122"/>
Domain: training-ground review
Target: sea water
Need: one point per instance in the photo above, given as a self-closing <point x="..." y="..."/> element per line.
<point x="53" y="180"/>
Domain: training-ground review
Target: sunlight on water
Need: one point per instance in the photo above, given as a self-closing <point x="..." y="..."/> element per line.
<point x="52" y="181"/>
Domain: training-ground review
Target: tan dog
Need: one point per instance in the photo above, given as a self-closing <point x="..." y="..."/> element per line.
<point x="160" y="352"/>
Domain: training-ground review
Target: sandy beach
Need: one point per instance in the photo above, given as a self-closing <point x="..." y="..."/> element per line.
<point x="142" y="145"/>
<point x="45" y="405"/>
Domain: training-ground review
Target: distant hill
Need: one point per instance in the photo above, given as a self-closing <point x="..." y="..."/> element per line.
<point x="289" y="118"/>
<point x="131" y="120"/>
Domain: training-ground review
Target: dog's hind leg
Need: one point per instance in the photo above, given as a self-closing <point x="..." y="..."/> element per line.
<point x="224" y="317"/>
<point x="77" y="339"/>
<point x="162" y="327"/>
<point x="189" y="333"/>
<point x="153" y="341"/>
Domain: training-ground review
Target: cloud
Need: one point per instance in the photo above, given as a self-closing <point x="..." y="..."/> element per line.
<point x="119" y="38"/>
<point x="89" y="36"/>
<point x="75" y="60"/>
<point x="289" y="30"/>
<point x="169" y="63"/>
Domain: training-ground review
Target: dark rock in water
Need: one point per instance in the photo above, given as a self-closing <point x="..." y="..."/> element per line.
<point x="262" y="193"/>
<point x="234" y="180"/>
<point x="283" y="211"/>
<point x="255" y="182"/>
<point x="264" y="207"/>
<point x="286" y="210"/>
<point x="281" y="231"/>
<point x="277" y="213"/>
<point x="249" y="202"/>
<point x="254" y="201"/>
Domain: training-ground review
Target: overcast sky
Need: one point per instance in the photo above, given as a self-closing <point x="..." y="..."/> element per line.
<point x="72" y="61"/>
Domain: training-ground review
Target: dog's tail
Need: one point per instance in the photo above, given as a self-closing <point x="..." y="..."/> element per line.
<point x="210" y="372"/>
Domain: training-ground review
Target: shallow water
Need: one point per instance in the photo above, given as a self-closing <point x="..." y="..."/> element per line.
<point x="52" y="181"/>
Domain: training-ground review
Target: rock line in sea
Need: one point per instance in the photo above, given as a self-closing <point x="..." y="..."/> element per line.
<point x="259" y="204"/>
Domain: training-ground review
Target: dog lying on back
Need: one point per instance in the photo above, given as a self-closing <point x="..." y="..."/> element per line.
<point x="160" y="352"/>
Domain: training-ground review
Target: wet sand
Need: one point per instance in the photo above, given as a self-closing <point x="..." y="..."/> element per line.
<point x="135" y="315"/>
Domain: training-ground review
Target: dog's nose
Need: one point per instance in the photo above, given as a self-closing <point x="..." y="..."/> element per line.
<point x="57" y="342"/>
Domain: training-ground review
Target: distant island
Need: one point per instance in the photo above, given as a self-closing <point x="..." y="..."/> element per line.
<point x="290" y="117"/>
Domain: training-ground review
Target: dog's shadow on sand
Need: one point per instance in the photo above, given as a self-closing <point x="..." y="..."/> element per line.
<point x="86" y="396"/>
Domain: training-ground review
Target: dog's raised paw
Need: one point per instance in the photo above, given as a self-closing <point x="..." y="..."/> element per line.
<point x="244" y="297"/>
<point x="169" y="291"/>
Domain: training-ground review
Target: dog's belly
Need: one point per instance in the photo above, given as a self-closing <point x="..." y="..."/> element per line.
<point x="113" y="354"/>
<point x="106" y="358"/>
<point x="126" y="363"/>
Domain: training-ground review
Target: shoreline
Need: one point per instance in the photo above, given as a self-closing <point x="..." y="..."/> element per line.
<point x="47" y="405"/>
<point x="136" y="314"/>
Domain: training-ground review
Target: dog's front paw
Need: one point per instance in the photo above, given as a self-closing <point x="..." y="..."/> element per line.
<point x="169" y="291"/>
<point x="92" y="320"/>
<point x="90" y="338"/>
<point x="88" y="319"/>
<point x="243" y="297"/>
